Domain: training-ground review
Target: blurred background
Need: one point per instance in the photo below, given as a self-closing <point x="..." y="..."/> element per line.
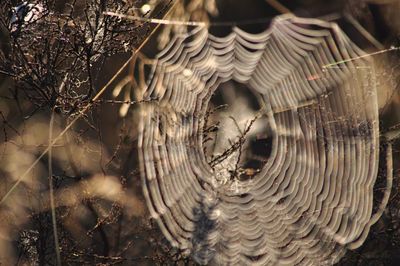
<point x="55" y="56"/>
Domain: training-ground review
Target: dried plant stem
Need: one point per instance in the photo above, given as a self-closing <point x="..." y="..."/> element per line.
<point x="335" y="64"/>
<point x="51" y="189"/>
<point x="156" y="21"/>
<point x="364" y="32"/>
<point x="278" y="6"/>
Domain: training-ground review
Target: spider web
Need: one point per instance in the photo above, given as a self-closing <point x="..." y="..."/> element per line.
<point x="313" y="197"/>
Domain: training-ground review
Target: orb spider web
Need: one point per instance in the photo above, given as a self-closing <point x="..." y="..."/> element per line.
<point x="311" y="198"/>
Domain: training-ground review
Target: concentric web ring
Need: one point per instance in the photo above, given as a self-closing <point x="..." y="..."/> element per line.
<point x="313" y="197"/>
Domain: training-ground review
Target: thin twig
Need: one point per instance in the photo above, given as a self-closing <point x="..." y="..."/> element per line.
<point x="7" y="73"/>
